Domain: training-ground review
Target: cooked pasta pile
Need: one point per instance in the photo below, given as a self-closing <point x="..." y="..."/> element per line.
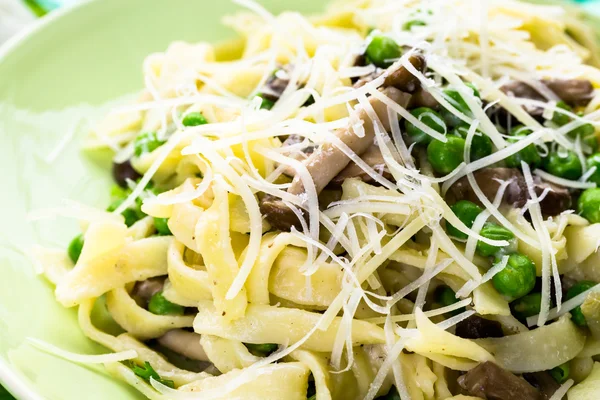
<point x="393" y="200"/>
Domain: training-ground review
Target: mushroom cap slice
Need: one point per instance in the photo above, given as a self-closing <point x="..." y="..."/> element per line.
<point x="184" y="343"/>
<point x="489" y="381"/>
<point x="557" y="200"/>
<point x="326" y="162"/>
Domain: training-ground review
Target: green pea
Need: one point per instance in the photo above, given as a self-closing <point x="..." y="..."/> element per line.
<point x="589" y="205"/>
<point x="194" y="119"/>
<point x="529" y="154"/>
<point x="517" y="278"/>
<point x="587" y="132"/>
<point x="481" y="145"/>
<point x="527" y="306"/>
<point x="445" y="157"/>
<point x="132" y="214"/>
<point x="445" y="296"/>
<point x="456" y="100"/>
<point x="559" y="118"/>
<point x="520" y="130"/>
<point x="261" y="350"/>
<point x="466" y="211"/>
<point x="594" y="161"/>
<point x="576" y="315"/>
<point x="568" y="167"/>
<point x="146" y="143"/>
<point x="160" y="306"/>
<point x="117" y="192"/>
<point x="561" y="373"/>
<point x="162" y="227"/>
<point x="75" y="248"/>
<point x="313" y="397"/>
<point x="495" y="232"/>
<point x="592" y="142"/>
<point x="266" y="104"/>
<point x="429" y="118"/>
<point x="413" y="22"/>
<point x="382" y="51"/>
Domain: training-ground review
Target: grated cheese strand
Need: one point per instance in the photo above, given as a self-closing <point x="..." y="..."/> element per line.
<point x="81" y="358"/>
<point x="549" y="265"/>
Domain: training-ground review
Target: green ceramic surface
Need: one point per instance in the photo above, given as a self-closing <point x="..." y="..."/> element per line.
<point x="52" y="80"/>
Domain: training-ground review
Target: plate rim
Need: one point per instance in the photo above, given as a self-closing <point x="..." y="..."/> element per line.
<point x="36" y="25"/>
<point x="10" y="378"/>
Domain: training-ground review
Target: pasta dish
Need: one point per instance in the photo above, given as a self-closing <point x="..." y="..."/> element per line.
<point x="391" y="200"/>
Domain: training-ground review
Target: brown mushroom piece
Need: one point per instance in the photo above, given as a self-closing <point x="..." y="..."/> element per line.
<point x="122" y="172"/>
<point x="276" y="84"/>
<point x="361" y="81"/>
<point x="489" y="381"/>
<point x="373" y="158"/>
<point x="575" y="92"/>
<point x="523" y="90"/>
<point x="144" y="290"/>
<point x="184" y="343"/>
<point x="299" y="154"/>
<point x="476" y="327"/>
<point x="557" y="200"/>
<point x="422" y="98"/>
<point x="544" y="382"/>
<point x="328" y="161"/>
<point x="401" y="79"/>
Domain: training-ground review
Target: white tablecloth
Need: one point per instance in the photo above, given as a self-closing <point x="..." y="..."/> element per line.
<point x="14" y="15"/>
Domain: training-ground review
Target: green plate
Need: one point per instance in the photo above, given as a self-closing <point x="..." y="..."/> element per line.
<point x="52" y="79"/>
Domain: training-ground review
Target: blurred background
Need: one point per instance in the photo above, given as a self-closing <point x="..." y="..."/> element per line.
<point x="16" y="14"/>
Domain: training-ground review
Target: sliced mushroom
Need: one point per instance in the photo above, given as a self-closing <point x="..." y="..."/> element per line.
<point x="297" y="139"/>
<point x="276" y="84"/>
<point x="144" y="290"/>
<point x="402" y="79"/>
<point x="557" y="200"/>
<point x="489" y="381"/>
<point x="360" y="82"/>
<point x="328" y="161"/>
<point x="422" y="98"/>
<point x="544" y="382"/>
<point x="575" y="92"/>
<point x="122" y="172"/>
<point x="299" y="154"/>
<point x="476" y="327"/>
<point x="184" y="343"/>
<point x="373" y="158"/>
<point x="523" y="90"/>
